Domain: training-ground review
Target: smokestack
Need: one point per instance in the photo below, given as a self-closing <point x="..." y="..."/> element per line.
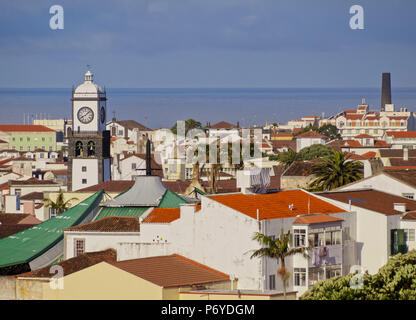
<point x="385" y="91"/>
<point x="405" y="154"/>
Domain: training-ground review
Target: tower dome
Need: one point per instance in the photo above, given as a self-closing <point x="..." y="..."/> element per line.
<point x="88" y="87"/>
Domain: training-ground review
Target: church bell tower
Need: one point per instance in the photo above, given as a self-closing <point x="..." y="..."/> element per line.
<point x="89" y="141"/>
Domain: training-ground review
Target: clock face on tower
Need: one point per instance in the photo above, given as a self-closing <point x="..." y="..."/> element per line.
<point x="85" y="115"/>
<point x="102" y="115"/>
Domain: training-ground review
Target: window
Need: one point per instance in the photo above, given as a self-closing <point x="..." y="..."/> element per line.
<point x="120" y="132"/>
<point x="28" y="139"/>
<point x="21" y="148"/>
<point x="84" y="169"/>
<point x="50" y="148"/>
<point x="133" y="166"/>
<point x="333" y="272"/>
<point x="315" y="274"/>
<point x="79" y="149"/>
<point x="91" y="148"/>
<point x="84" y="181"/>
<point x="272" y="282"/>
<point x="21" y="139"/>
<point x="53" y="212"/>
<point x="332" y="236"/>
<point x="316" y="237"/>
<point x="299" y="237"/>
<point x="172" y="167"/>
<point x="409" y="235"/>
<point x="18" y="192"/>
<point x="79" y="246"/>
<point x="43" y="139"/>
<point x="300" y="277"/>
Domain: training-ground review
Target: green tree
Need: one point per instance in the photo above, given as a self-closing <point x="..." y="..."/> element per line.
<point x="59" y="205"/>
<point x="313" y="152"/>
<point x="335" y="171"/>
<point x="278" y="249"/>
<point x="330" y="131"/>
<point x="189" y="125"/>
<point x="327" y="130"/>
<point x="394" y="281"/>
<point x="287" y="158"/>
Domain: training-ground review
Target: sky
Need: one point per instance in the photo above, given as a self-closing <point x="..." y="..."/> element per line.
<point x="207" y="43"/>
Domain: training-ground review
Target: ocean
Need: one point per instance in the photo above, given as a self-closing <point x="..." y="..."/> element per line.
<point x="157" y="108"/>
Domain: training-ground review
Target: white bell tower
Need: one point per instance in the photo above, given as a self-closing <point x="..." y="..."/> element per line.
<point x="89" y="142"/>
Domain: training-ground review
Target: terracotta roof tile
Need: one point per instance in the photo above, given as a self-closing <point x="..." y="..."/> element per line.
<point x="223" y="125"/>
<point x="163" y="215"/>
<point x="24" y="128"/>
<point x="110" y="186"/>
<point x="311" y="134"/>
<point x="374" y="200"/>
<point x="32" y="196"/>
<point x="316" y="218"/>
<point x="75" y="264"/>
<point x="276" y="205"/>
<point x="31" y="181"/>
<point x="402" y="134"/>
<point x="410" y="216"/>
<point x="171" y="271"/>
<point x="110" y="224"/>
<point x="364" y="135"/>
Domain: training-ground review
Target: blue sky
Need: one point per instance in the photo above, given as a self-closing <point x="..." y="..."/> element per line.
<point x="208" y="43"/>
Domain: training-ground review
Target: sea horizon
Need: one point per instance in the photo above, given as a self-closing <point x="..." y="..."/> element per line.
<point x="162" y="107"/>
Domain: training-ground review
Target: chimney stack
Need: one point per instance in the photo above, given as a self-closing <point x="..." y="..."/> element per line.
<point x="405" y="154"/>
<point x="385" y="91"/>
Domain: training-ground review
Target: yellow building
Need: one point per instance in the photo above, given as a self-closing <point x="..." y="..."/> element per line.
<point x="98" y="276"/>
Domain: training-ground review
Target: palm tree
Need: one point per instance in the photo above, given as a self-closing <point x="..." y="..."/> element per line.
<point x="59" y="205"/>
<point x="335" y="171"/>
<point x="278" y="249"/>
<point x="288" y="157"/>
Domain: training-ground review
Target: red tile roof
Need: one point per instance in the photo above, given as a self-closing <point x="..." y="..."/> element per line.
<point x="24" y="128"/>
<point x="75" y="264"/>
<point x="410" y="216"/>
<point x="364" y="135"/>
<point x="222" y="125"/>
<point x="110" y="186"/>
<point x="171" y="271"/>
<point x="374" y="200"/>
<point x="369" y="155"/>
<point x="31" y="181"/>
<point x="276" y="205"/>
<point x="110" y="224"/>
<point x="316" y="218"/>
<point x="162" y="215"/>
<point x="311" y="134"/>
<point x="402" y="134"/>
<point x="381" y="143"/>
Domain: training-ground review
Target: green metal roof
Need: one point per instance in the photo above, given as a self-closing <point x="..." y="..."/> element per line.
<point x="27" y="245"/>
<point x="121" y="212"/>
<point x="169" y="200"/>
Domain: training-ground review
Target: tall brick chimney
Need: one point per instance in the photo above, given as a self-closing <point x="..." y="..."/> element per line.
<point x="385" y="91"/>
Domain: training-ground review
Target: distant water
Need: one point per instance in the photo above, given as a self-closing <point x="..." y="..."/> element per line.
<point x="157" y="108"/>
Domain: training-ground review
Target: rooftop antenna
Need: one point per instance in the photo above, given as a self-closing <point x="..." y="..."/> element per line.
<point x="149" y="168"/>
